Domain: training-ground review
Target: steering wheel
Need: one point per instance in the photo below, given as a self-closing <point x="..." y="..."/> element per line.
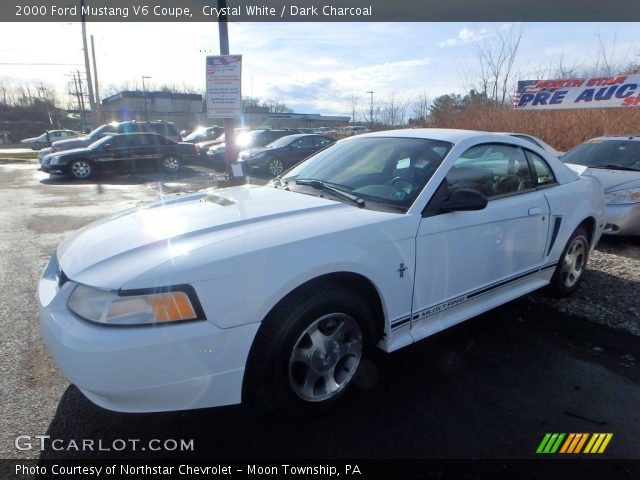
<point x="401" y="183"/>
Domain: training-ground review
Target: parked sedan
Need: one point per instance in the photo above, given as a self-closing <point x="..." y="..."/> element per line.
<point x="276" y="294"/>
<point x="615" y="161"/>
<point x="247" y="140"/>
<point x="48" y="137"/>
<point x="276" y="157"/>
<point x="121" y="152"/>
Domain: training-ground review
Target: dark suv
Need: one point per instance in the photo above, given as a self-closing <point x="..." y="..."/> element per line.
<point x="166" y="129"/>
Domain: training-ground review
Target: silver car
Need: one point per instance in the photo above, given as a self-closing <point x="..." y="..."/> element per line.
<point x="615" y="161"/>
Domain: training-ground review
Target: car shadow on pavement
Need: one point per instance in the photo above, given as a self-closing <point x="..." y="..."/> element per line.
<point x="134" y="178"/>
<point x="489" y="387"/>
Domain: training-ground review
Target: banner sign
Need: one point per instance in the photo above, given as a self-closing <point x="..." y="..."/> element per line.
<point x="224" y="96"/>
<point x="595" y="92"/>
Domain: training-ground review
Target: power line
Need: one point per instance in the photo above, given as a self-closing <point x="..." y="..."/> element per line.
<point x="39" y="64"/>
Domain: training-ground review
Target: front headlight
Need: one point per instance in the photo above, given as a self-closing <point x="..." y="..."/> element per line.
<point x="54" y="160"/>
<point x="257" y="156"/>
<point x="623" y="196"/>
<point x="110" y="308"/>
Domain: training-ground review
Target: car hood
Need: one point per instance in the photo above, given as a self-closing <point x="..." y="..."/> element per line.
<point x="73" y="151"/>
<point x="613" y="180"/>
<point x="114" y="250"/>
<point x="250" y="152"/>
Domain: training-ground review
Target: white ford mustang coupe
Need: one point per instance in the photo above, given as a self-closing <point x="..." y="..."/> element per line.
<point x="275" y="294"/>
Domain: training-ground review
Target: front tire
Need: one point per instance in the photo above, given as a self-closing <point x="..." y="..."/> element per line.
<point x="81" y="169"/>
<point x="572" y="264"/>
<point x="308" y="351"/>
<point x="275" y="167"/>
<point x="171" y="164"/>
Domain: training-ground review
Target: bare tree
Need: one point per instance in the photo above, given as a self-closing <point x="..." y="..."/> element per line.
<point x="420" y="109"/>
<point x="277" y="106"/>
<point x="496" y="57"/>
<point x="352" y="104"/>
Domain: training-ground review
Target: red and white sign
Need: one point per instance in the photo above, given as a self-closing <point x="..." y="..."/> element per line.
<point x="224" y="93"/>
<point x="595" y="92"/>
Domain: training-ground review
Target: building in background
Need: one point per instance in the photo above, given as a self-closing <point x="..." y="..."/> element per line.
<point x="187" y="111"/>
<point x="183" y="109"/>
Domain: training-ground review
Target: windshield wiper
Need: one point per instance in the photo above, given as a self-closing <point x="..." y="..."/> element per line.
<point x="320" y="185"/>
<point x="615" y="166"/>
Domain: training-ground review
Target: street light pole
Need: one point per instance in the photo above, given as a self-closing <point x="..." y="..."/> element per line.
<point x="230" y="153"/>
<point x="371" y="112"/>
<point x="144" y="93"/>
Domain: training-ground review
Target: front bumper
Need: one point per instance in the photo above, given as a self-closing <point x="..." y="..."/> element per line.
<point x="623" y="219"/>
<point x="144" y="368"/>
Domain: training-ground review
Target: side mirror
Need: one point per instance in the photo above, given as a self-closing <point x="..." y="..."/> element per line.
<point x="463" y="199"/>
<point x="106" y="146"/>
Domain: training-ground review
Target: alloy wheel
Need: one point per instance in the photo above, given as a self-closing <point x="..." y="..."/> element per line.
<point x="325" y="357"/>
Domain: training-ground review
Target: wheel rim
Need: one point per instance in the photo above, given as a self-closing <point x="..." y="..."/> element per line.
<point x="276" y="167"/>
<point x="573" y="264"/>
<point x="81" y="169"/>
<point x="171" y="164"/>
<point x="325" y="357"/>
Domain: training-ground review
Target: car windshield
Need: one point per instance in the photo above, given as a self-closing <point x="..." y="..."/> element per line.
<point x="606" y="154"/>
<point x="385" y="171"/>
<point x="100" y="142"/>
<point x="281" y="142"/>
<point x="195" y="134"/>
<point x="103" y="129"/>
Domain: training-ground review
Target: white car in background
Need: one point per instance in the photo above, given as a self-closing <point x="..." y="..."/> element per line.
<point x="275" y="294"/>
<point x="615" y="162"/>
<point x="48" y="137"/>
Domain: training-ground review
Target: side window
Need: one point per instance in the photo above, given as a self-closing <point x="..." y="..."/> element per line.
<point x="491" y="169"/>
<point x="322" y="141"/>
<point x="303" y="142"/>
<point x="118" y="141"/>
<point x="542" y="171"/>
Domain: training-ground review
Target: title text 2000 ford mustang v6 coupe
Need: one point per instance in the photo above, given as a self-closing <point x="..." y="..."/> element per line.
<point x="275" y="294"/>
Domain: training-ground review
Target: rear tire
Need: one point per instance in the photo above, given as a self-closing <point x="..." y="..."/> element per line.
<point x="171" y="163"/>
<point x="81" y="169"/>
<point x="572" y="264"/>
<point x="307" y="352"/>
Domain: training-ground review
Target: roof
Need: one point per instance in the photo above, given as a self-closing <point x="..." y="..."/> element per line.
<point x="444" y="134"/>
<point x="151" y="95"/>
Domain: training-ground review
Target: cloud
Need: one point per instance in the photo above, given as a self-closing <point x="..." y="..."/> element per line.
<point x="323" y="62"/>
<point x="465" y="35"/>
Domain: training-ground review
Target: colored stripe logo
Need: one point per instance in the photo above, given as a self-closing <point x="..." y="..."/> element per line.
<point x="574" y="443"/>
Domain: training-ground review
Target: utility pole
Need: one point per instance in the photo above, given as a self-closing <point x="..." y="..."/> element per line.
<point x="98" y="105"/>
<point x="229" y="124"/>
<point x="78" y="84"/>
<point x="92" y="101"/>
<point x="144" y="93"/>
<point x="371" y="112"/>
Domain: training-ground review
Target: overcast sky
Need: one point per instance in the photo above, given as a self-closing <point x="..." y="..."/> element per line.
<point x="312" y="67"/>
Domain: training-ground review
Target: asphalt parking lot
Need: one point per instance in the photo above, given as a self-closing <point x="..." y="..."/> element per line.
<point x="489" y="388"/>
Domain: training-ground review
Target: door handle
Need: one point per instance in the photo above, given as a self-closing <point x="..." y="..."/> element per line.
<point x="535" y="211"/>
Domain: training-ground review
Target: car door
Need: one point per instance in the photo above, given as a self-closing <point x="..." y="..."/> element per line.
<point x="146" y="151"/>
<point x="300" y="149"/>
<point x="470" y="261"/>
<point x="108" y="155"/>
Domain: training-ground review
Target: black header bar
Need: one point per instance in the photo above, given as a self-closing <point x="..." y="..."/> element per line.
<point x="322" y="10"/>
